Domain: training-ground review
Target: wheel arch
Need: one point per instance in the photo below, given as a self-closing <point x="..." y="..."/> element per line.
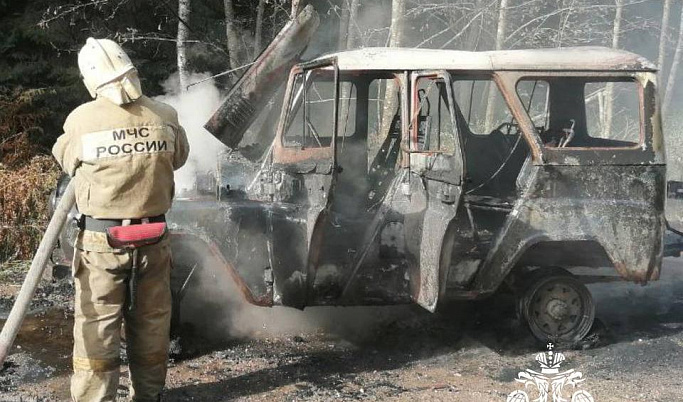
<point x="582" y="257"/>
<point x="541" y="250"/>
<point x="209" y="253"/>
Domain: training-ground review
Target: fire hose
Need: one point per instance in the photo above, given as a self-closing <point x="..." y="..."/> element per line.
<point x="35" y="273"/>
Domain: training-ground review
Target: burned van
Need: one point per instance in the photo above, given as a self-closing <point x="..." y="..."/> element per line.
<point x="420" y="176"/>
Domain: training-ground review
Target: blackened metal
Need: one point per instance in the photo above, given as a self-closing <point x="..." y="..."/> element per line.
<point x="256" y="87"/>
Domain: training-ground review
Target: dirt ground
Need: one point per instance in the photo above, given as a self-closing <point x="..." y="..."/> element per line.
<point x="467" y="352"/>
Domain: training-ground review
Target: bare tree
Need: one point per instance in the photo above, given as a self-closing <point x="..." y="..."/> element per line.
<point x="609" y="92"/>
<point x="258" y="32"/>
<point x="181" y="43"/>
<point x="231" y="35"/>
<point x="500" y="39"/>
<point x="668" y="95"/>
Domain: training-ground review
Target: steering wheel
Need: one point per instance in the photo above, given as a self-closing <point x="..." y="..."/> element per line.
<point x="507" y="129"/>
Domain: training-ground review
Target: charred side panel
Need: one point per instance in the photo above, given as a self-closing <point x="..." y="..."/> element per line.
<point x="619" y="207"/>
<point x="249" y="235"/>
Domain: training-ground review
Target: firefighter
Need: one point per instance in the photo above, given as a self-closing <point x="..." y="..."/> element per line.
<point x="121" y="150"/>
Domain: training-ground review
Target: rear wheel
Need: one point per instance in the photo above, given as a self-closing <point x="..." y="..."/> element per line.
<point x="556" y="306"/>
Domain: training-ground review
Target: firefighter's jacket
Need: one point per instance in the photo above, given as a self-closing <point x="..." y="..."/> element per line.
<point x="122" y="158"/>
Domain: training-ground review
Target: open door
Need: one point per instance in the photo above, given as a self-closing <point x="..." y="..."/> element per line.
<point x="437" y="165"/>
<point x="303" y="174"/>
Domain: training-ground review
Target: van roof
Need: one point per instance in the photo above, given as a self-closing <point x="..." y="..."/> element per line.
<point x="559" y="59"/>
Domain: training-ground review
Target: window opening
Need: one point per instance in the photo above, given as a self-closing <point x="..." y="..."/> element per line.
<point x="485" y="106"/>
<point x="492" y="141"/>
<point x="384" y="122"/>
<point x="347" y="111"/>
<point x="585" y="112"/>
<point x="384" y="136"/>
<point x="613" y="111"/>
<point x="432" y="123"/>
<point x="310" y="121"/>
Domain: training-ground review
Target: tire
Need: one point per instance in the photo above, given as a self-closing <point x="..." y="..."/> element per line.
<point x="557" y="307"/>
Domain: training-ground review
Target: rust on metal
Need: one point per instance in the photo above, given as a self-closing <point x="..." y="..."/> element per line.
<point x="258" y="84"/>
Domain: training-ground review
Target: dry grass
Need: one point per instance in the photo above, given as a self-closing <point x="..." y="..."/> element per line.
<point x="24" y="213"/>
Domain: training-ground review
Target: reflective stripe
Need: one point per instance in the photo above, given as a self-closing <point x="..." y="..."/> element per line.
<point x="127" y="141"/>
<point x="149" y="359"/>
<point x="96" y="365"/>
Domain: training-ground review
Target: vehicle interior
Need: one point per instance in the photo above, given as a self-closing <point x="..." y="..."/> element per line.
<point x="368" y="132"/>
<point x="568" y="112"/>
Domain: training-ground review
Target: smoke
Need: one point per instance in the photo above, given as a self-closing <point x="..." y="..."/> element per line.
<point x="631" y="308"/>
<point x="194" y="107"/>
<point x="216" y="309"/>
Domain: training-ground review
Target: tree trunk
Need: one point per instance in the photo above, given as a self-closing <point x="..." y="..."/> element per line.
<point x="609" y="92"/>
<point x="500" y="40"/>
<point x="396" y="37"/>
<point x="258" y="33"/>
<point x="297" y="6"/>
<point x="231" y="35"/>
<point x="674" y="69"/>
<point x="353" y="24"/>
<point x="348" y="24"/>
<point x="343" y="25"/>
<point x="661" y="59"/>
<point x="398" y="13"/>
<point x="181" y="43"/>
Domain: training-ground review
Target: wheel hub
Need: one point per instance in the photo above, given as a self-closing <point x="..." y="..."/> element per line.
<point x="557" y="309"/>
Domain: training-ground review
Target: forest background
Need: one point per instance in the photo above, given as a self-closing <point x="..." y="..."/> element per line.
<point x="170" y="40"/>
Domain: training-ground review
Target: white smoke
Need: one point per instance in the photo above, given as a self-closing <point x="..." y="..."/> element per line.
<point x="215" y="307"/>
<point x="194" y="107"/>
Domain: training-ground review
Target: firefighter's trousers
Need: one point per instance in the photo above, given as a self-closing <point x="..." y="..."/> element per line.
<point x="102" y="300"/>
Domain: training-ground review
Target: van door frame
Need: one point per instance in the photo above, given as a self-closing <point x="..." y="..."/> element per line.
<point x="442" y="196"/>
<point x="317" y="164"/>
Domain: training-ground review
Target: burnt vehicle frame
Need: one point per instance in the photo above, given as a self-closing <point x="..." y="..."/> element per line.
<point x="404" y="203"/>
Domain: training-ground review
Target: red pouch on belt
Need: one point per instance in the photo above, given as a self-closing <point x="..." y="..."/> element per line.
<point x="133" y="236"/>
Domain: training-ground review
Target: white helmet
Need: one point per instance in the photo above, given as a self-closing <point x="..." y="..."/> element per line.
<point x="108" y="72"/>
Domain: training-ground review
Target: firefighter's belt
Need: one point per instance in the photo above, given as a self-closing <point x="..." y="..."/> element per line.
<point x="101" y="225"/>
